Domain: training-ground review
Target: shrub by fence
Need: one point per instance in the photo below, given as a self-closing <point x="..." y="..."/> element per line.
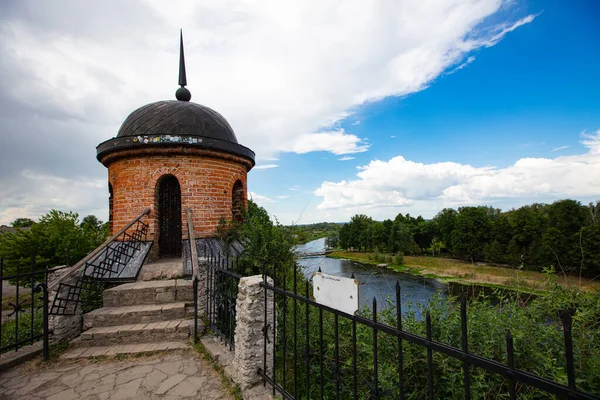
<point x="24" y="317"/>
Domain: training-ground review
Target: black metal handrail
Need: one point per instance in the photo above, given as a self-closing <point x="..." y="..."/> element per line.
<point x="81" y="264"/>
<point x="468" y="359"/>
<point x="194" y="257"/>
<point x="104" y="264"/>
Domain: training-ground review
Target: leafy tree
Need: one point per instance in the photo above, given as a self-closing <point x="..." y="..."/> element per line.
<point x="359" y="235"/>
<point x="56" y="238"/>
<point x="564" y="234"/>
<point x="344" y="236"/>
<point x="22" y="223"/>
<point x="378" y="236"/>
<point x="528" y="224"/>
<point x="402" y="239"/>
<point x="445" y="222"/>
<point x="423" y="233"/>
<point x="91" y="222"/>
<point x="590" y="247"/>
<point x="560" y="242"/>
<point x="494" y="252"/>
<point x="471" y="232"/>
<point x="266" y="243"/>
<point x="332" y="241"/>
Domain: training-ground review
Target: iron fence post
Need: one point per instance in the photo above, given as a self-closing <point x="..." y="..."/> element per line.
<point x="195" y="286"/>
<point x="567" y="329"/>
<point x="46" y="351"/>
<point x="43" y="287"/>
<point x="1" y="294"/>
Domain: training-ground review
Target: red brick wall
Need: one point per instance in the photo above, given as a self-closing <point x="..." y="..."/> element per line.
<point x="206" y="179"/>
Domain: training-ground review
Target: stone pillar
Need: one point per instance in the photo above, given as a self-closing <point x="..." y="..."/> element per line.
<point x="249" y="336"/>
<point x="202" y="284"/>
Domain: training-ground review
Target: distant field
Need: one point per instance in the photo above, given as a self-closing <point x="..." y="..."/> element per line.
<point x="473" y="273"/>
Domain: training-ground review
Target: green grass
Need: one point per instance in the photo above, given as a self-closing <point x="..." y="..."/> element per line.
<point x="9" y="331"/>
<point x="233" y="389"/>
<point x="450" y="270"/>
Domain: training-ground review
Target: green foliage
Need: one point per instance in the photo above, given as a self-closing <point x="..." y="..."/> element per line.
<point x="471" y="232"/>
<point x="399" y="258"/>
<point x="56" y="238"/>
<point x="306" y="233"/>
<point x="564" y="235"/>
<point x="92" y="297"/>
<point x="266" y="243"/>
<point x="22" y="223"/>
<point x="10" y="331"/>
<point x="445" y="222"/>
<point x="535" y="326"/>
<point x="333" y="240"/>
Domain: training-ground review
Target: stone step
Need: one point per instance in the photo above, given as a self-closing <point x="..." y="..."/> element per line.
<point x="121" y="349"/>
<point x="127" y="315"/>
<point x="149" y="292"/>
<point x="170" y="331"/>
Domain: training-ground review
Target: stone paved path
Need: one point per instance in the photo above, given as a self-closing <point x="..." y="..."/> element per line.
<point x="175" y="376"/>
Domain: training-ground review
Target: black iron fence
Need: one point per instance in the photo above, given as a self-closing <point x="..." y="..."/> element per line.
<point x="320" y="352"/>
<point x="24" y="317"/>
<point x="223" y="276"/>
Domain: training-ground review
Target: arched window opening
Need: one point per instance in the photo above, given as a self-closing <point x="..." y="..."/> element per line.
<point x="237" y="201"/>
<point x="110" y="207"/>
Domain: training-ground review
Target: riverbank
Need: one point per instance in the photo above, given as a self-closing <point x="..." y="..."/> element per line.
<point x="450" y="270"/>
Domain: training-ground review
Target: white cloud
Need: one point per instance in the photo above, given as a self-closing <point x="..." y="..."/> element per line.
<point x="463" y="65"/>
<point x="283" y="197"/>
<point x="87" y="196"/>
<point x="283" y="73"/>
<point x="260" y="199"/>
<point x="295" y="187"/>
<point x="560" y="148"/>
<point x="346" y="158"/>
<point x="337" y="142"/>
<point x="430" y="187"/>
<point x="266" y="166"/>
<point x="393" y="136"/>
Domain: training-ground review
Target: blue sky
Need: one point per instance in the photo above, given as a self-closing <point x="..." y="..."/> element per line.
<point x="529" y="95"/>
<point x="352" y="106"/>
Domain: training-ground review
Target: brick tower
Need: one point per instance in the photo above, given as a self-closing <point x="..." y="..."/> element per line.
<point x="172" y="155"/>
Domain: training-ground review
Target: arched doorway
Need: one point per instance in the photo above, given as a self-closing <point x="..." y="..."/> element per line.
<point x="169" y="217"/>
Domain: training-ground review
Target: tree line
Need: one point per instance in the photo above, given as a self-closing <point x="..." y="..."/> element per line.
<point x="57" y="238"/>
<point x="564" y="235"/>
<point x="305" y="233"/>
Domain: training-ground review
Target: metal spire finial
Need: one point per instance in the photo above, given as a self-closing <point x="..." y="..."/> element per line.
<point x="182" y="93"/>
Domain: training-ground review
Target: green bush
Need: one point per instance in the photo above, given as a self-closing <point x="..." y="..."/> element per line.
<point x="10" y="332"/>
<point x="399" y="258"/>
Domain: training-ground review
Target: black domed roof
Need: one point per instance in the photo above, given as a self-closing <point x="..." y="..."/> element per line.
<point x="175" y="117"/>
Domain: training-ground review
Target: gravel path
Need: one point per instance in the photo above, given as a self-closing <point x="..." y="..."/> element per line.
<point x="175" y="376"/>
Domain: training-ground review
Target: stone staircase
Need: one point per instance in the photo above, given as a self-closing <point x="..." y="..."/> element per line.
<point x="139" y="317"/>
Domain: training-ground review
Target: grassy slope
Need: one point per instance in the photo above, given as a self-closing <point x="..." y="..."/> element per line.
<point x="457" y="271"/>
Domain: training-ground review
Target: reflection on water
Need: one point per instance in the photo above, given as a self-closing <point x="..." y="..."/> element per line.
<point x="373" y="281"/>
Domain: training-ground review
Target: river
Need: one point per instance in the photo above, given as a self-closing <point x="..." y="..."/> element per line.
<point x="373" y="281"/>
